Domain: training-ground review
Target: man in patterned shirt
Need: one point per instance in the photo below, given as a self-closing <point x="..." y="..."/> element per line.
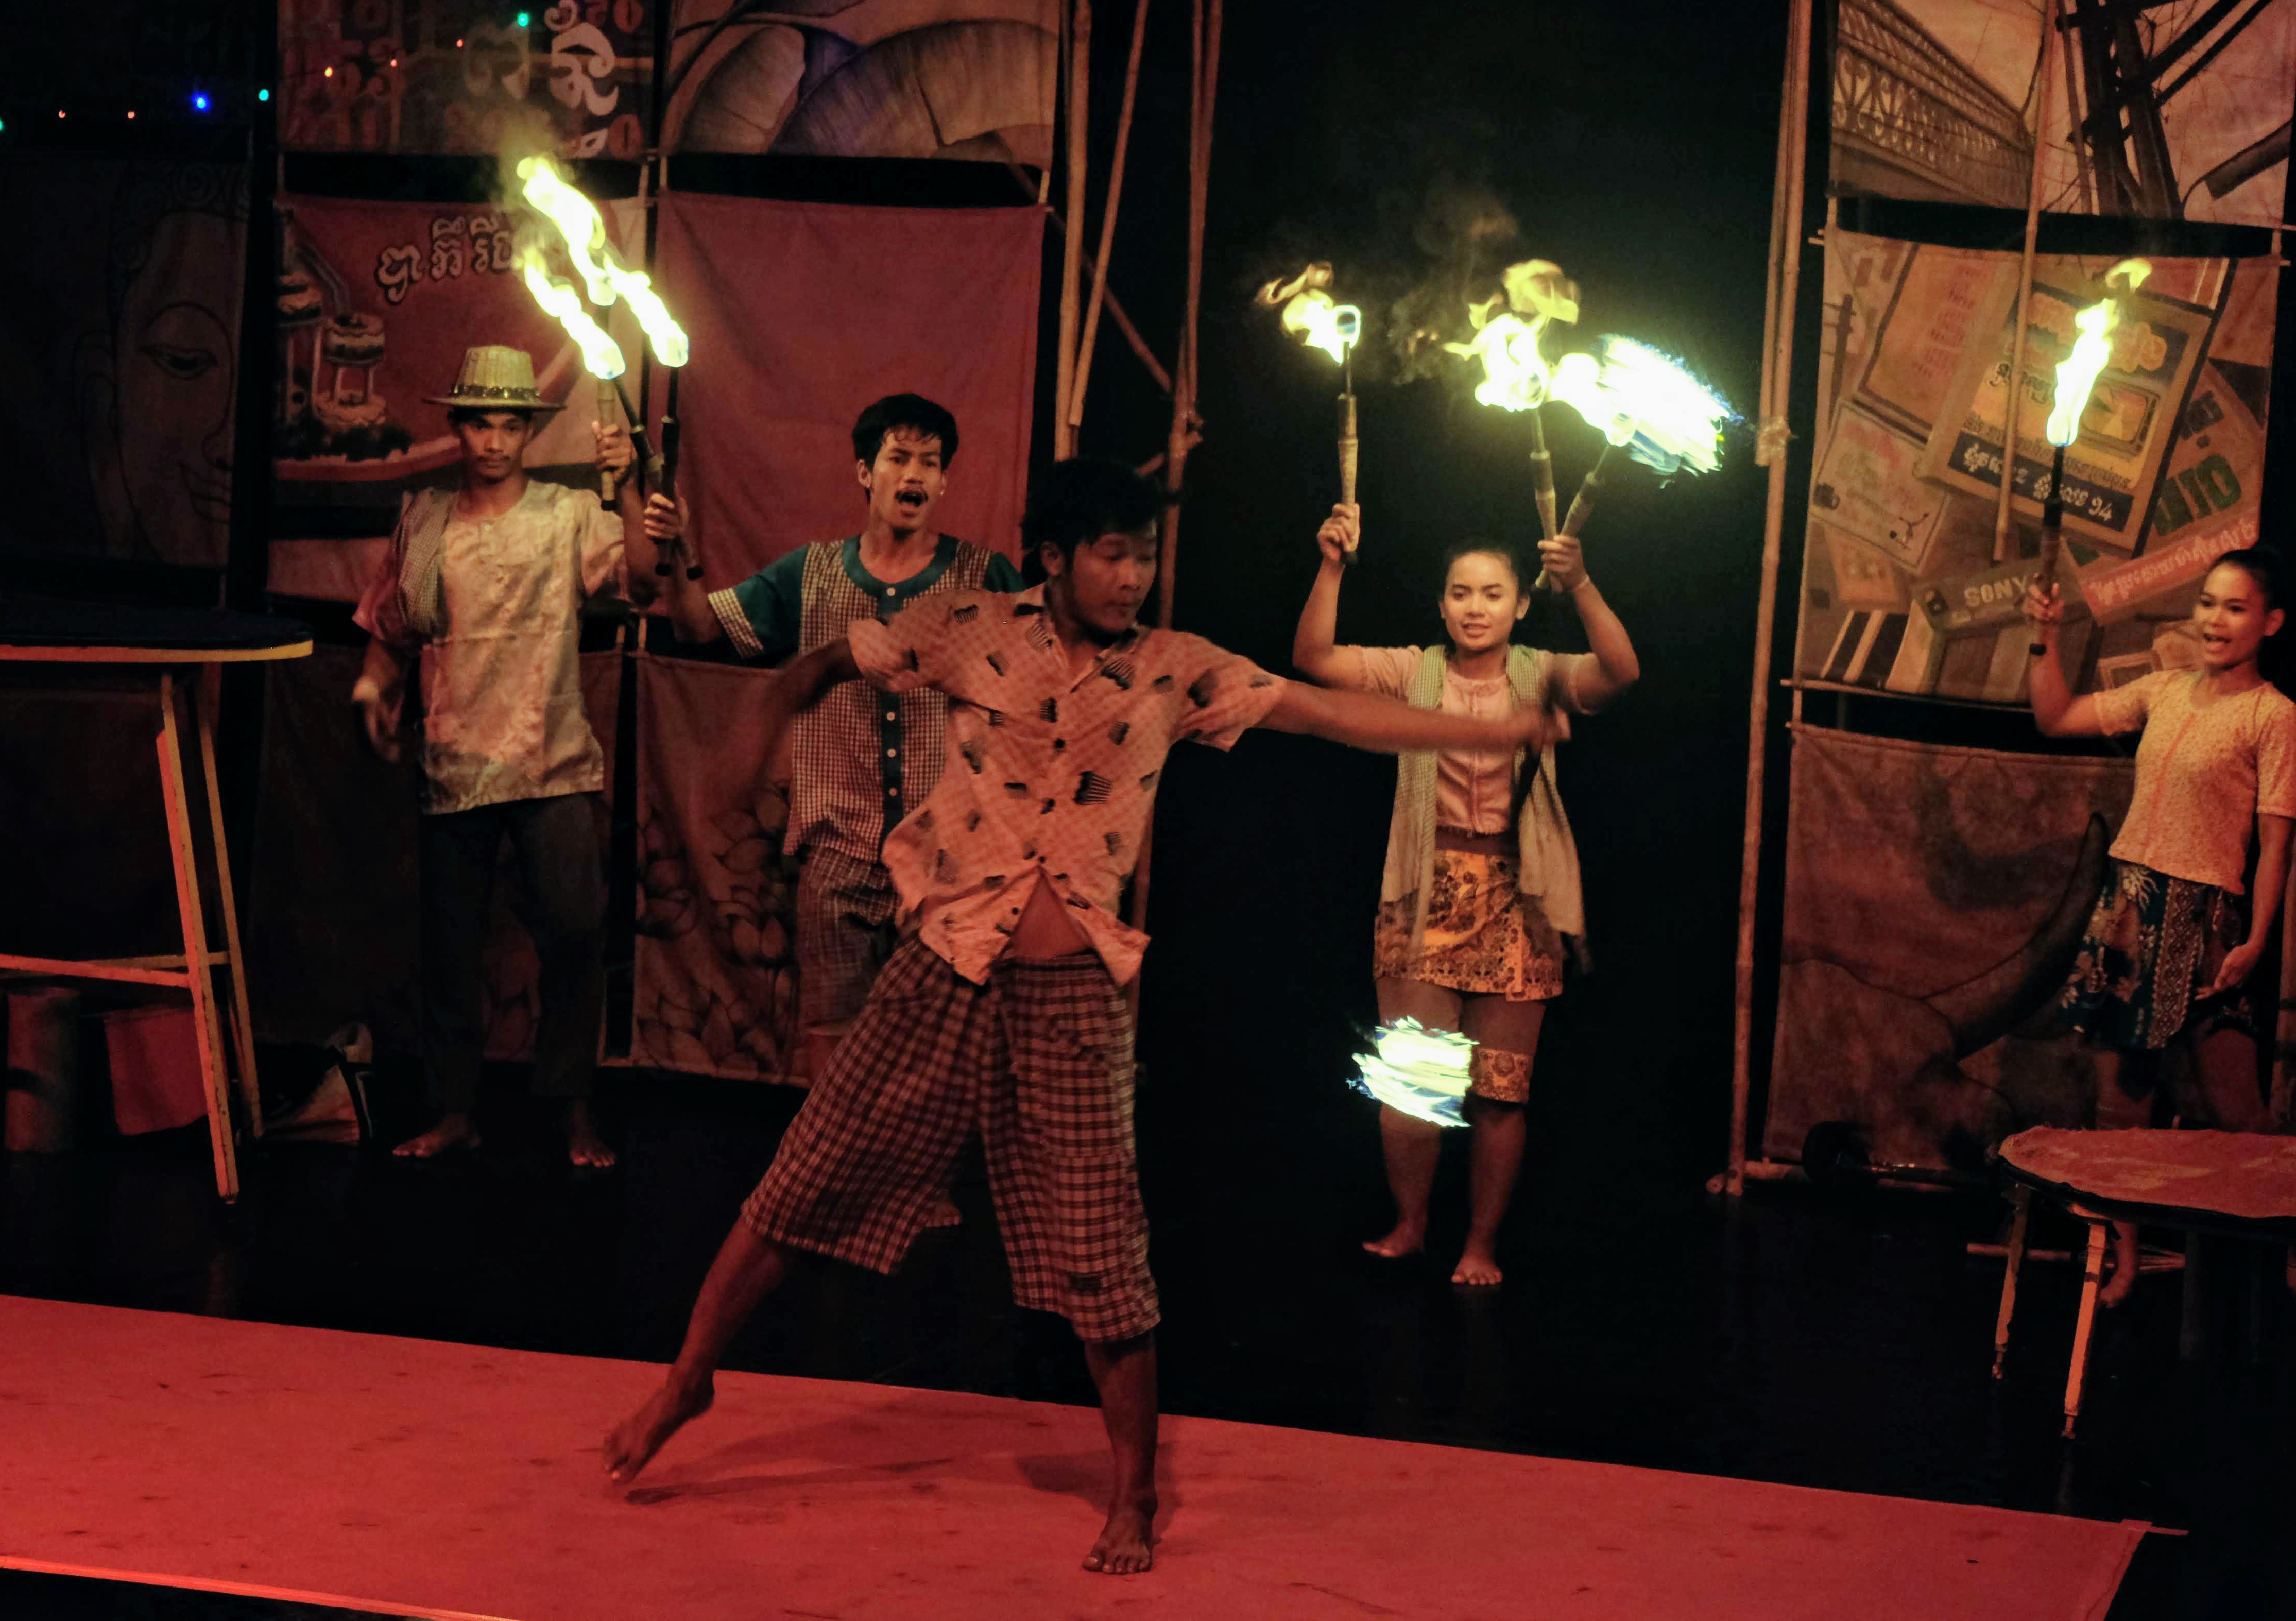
<point x="1002" y="1012"/>
<point x="860" y="758"/>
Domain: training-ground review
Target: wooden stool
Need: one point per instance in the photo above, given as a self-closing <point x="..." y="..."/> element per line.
<point x="177" y="652"/>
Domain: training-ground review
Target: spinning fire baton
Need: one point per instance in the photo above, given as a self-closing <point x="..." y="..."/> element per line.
<point x="1650" y="409"/>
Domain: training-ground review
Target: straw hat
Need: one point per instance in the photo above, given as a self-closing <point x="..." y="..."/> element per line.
<point x="495" y="378"/>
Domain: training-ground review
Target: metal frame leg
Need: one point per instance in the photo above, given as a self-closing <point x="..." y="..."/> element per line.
<point x="2092" y="1279"/>
<point x="234" y="964"/>
<point x="2021" y="1197"/>
<point x="183" y="854"/>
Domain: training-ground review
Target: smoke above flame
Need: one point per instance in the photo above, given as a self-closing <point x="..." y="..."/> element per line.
<point x="2077" y="373"/>
<point x="1309" y="312"/>
<point x="1647" y="403"/>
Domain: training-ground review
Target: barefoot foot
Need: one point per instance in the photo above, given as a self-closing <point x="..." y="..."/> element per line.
<point x="454" y="1130"/>
<point x="585" y="1148"/>
<point x="1477" y="1270"/>
<point x="638" y="1437"/>
<point x="1127" y="1542"/>
<point x="1408" y="1239"/>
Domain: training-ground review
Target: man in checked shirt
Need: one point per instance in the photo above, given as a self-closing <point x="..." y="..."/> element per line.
<point x="860" y="759"/>
<point x="1002" y="1011"/>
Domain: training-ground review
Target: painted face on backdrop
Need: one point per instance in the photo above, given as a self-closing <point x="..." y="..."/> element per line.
<point x="906" y="481"/>
<point x="1481" y="601"/>
<point x="175" y="380"/>
<point x="494" y="444"/>
<point x="1105" y="580"/>
<point x="2231" y="618"/>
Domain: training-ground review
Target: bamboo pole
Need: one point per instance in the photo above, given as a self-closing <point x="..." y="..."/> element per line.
<point x="1083" y="379"/>
<point x="2012" y="407"/>
<point x="1116" y="311"/>
<point x="1079" y="31"/>
<point x="1203" y="92"/>
<point x="1785" y="264"/>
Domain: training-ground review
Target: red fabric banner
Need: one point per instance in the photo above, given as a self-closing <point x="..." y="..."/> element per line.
<point x="801" y="314"/>
<point x="715" y="974"/>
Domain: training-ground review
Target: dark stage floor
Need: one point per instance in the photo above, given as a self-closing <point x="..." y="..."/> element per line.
<point x="1824" y="1340"/>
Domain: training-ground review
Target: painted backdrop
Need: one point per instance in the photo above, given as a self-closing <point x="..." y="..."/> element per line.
<point x="120" y="354"/>
<point x="2172" y="110"/>
<point x="1901" y="587"/>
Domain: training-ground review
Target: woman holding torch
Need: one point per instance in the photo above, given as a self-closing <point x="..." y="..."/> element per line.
<point x="2174" y="938"/>
<point x="1480" y="902"/>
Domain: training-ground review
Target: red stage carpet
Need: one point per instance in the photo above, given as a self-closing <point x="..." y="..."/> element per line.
<point x="428" y="1475"/>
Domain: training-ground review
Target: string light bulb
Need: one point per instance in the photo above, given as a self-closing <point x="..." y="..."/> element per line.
<point x="263" y="95"/>
<point x="199" y="101"/>
<point x="522" y="19"/>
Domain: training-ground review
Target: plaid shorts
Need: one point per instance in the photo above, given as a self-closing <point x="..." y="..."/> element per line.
<point x="1040" y="1062"/>
<point x="845" y="934"/>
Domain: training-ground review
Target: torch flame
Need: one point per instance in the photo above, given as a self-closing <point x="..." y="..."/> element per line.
<point x="600" y="353"/>
<point x="1646" y="403"/>
<point x="2077" y="373"/>
<point x="1516" y="376"/>
<point x="1309" y="313"/>
<point x="603" y="275"/>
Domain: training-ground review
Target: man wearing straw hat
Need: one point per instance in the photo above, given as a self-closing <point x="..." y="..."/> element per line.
<point x="482" y="592"/>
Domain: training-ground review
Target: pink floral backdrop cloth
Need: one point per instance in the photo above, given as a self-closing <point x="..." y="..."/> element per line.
<point x="716" y="971"/>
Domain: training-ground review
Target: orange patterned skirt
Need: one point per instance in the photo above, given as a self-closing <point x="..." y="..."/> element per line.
<point x="1484" y="936"/>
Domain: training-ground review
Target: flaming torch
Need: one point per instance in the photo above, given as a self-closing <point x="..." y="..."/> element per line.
<point x="1516" y="376"/>
<point x="2077" y="376"/>
<point x="1650" y="409"/>
<point x="1310" y="316"/>
<point x="605" y="278"/>
<point x="602" y="356"/>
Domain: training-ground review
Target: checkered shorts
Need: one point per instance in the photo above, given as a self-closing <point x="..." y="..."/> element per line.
<point x="1040" y="1062"/>
<point x="845" y="934"/>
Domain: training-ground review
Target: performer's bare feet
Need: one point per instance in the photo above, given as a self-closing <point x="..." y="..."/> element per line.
<point x="454" y="1129"/>
<point x="1126" y="1545"/>
<point x="1476" y="1269"/>
<point x="1408" y="1238"/>
<point x="630" y="1443"/>
<point x="583" y="1147"/>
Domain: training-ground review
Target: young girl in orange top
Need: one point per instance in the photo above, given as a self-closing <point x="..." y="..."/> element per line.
<point x="1480" y="894"/>
<point x="2174" y="938"/>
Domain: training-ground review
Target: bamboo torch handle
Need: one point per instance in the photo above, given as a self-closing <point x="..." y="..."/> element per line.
<point x="2052" y="524"/>
<point x="609" y="393"/>
<point x="1542" y="487"/>
<point x="1589" y="488"/>
<point x="1348" y="454"/>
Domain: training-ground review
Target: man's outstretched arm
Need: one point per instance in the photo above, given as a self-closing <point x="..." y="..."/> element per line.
<point x="800" y="684"/>
<point x="1388" y="726"/>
